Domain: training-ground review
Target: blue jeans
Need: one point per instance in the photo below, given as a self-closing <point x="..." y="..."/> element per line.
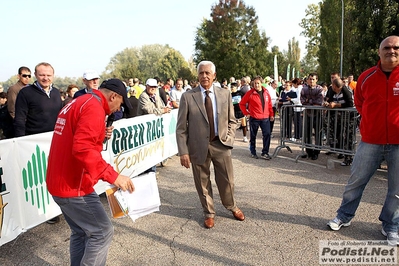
<point x="264" y="125"/>
<point x="367" y="159"/>
<point x="91" y="229"/>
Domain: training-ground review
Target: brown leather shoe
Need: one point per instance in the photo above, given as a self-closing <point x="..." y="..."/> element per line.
<point x="209" y="222"/>
<point x="239" y="215"/>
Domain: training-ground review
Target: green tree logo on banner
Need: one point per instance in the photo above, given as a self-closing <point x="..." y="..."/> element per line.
<point x="33" y="177"/>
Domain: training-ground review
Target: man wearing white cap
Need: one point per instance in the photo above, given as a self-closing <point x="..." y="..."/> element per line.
<point x="91" y="79"/>
<point x="149" y="100"/>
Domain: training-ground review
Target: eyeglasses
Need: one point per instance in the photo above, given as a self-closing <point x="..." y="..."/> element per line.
<point x="26" y="76"/>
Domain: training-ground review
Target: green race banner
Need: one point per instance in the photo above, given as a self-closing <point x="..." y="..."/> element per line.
<point x="136" y="145"/>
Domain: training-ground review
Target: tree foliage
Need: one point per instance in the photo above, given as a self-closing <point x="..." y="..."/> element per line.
<point x="123" y="65"/>
<point x="373" y="21"/>
<point x="148" y="61"/>
<point x="366" y="24"/>
<point x="281" y="61"/>
<point x="232" y="40"/>
<point x="293" y="56"/>
<point x="58" y="82"/>
<point x="330" y="41"/>
<point x="63" y="83"/>
<point x="311" y="25"/>
<point x="173" y="65"/>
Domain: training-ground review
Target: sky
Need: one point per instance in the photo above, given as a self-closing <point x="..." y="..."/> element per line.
<point x="74" y="36"/>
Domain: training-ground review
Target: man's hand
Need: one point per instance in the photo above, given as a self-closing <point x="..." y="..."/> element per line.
<point x="108" y="132"/>
<point x="125" y="183"/>
<point x="333" y="105"/>
<point x="185" y="160"/>
<point x="166" y="109"/>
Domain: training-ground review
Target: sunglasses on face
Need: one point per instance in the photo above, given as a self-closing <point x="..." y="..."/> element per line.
<point x="26" y="76"/>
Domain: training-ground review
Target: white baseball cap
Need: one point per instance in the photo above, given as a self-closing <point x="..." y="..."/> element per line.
<point x="90" y="74"/>
<point x="151" y="82"/>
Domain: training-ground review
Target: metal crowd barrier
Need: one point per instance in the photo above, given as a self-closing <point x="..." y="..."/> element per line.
<point x="321" y="128"/>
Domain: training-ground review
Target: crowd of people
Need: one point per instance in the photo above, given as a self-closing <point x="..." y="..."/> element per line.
<point x="280" y="92"/>
<point x="257" y="100"/>
<point x="209" y="113"/>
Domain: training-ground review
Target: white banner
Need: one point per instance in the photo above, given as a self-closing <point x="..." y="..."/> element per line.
<point x="136" y="145"/>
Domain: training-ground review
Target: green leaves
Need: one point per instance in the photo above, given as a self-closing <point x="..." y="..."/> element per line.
<point x="232" y="40"/>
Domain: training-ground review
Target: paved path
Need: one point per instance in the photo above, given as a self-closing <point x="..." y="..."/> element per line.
<point x="287" y="206"/>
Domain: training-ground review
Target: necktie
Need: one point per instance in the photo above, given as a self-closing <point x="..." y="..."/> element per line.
<point x="209" y="112"/>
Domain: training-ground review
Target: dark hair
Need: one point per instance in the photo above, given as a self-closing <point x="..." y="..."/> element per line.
<point x="23" y="68"/>
<point x="338" y="82"/>
<point x="3" y="95"/>
<point x="296" y="81"/>
<point x="70" y="87"/>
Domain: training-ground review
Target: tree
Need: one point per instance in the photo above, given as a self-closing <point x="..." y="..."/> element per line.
<point x="124" y="65"/>
<point x="149" y="58"/>
<point x="311" y="25"/>
<point x="330" y="39"/>
<point x="373" y="21"/>
<point x="281" y="61"/>
<point x="293" y="55"/>
<point x="148" y="61"/>
<point x="232" y="40"/>
<point x="63" y="83"/>
<point x="11" y="81"/>
<point x="366" y="24"/>
<point x="58" y="82"/>
<point x="171" y="66"/>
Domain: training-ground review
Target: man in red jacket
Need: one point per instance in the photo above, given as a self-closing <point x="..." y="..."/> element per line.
<point x="377" y="101"/>
<point x="257" y="103"/>
<point x="75" y="165"/>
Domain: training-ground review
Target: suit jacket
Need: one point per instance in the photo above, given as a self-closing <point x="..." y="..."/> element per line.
<point x="192" y="129"/>
<point x="147" y="106"/>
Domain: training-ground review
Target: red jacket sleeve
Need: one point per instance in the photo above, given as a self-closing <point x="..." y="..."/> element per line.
<point x="243" y="103"/>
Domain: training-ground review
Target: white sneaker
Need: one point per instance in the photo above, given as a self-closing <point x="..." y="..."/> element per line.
<point x="336" y="224"/>
<point x="245" y="139"/>
<point x="392" y="237"/>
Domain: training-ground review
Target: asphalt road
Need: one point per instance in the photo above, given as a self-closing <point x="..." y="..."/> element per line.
<point x="287" y="206"/>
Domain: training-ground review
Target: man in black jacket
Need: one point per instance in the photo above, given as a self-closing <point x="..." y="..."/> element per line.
<point x="37" y="105"/>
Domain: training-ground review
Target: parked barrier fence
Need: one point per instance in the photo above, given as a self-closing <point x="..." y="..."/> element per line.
<point x="318" y="128"/>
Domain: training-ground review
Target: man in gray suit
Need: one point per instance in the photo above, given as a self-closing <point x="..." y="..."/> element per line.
<point x="201" y="141"/>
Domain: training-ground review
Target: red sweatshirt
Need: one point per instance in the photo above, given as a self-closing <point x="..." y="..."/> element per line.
<point x="377" y="101"/>
<point x="75" y="163"/>
<point x="254" y="108"/>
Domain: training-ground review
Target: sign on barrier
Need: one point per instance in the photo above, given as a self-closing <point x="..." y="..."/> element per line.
<point x="136" y="145"/>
